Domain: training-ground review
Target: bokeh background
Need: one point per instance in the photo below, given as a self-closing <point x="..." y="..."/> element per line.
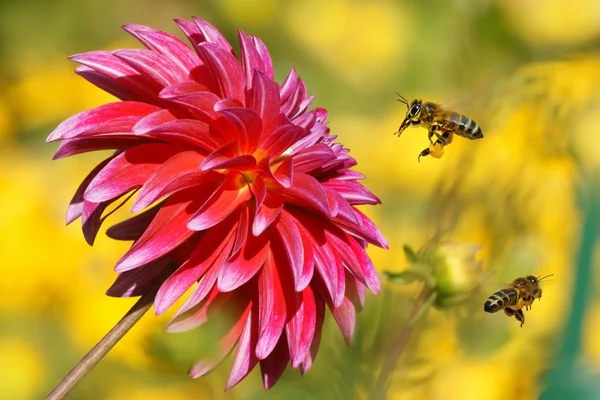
<point x="527" y="70"/>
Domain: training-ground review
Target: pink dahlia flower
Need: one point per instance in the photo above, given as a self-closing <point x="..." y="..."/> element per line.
<point x="239" y="188"/>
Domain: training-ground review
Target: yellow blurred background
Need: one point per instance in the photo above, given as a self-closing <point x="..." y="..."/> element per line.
<point x="528" y="71"/>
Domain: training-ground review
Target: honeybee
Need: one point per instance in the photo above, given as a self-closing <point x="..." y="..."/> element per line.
<point x="441" y="123"/>
<point x="518" y="295"/>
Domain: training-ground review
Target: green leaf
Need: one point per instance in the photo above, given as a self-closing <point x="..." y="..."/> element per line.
<point x="410" y="254"/>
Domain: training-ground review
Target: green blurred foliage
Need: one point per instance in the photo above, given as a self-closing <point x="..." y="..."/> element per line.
<point x="527" y="71"/>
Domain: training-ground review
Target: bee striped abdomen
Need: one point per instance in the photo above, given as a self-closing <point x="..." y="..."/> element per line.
<point x="501" y="299"/>
<point x="463" y="125"/>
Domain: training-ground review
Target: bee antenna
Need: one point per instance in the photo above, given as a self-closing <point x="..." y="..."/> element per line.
<point x="402" y="99"/>
<point x="544" y="277"/>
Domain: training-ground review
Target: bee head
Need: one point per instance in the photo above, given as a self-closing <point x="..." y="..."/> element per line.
<point x="535" y="281"/>
<point x="413" y="113"/>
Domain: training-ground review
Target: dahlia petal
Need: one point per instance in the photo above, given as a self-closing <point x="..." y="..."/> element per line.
<point x="115" y="76"/>
<point x="166" y="231"/>
<point x="242" y="267"/>
<point x="75" y="208"/>
<point x="311" y="159"/>
<point x="345" y="316"/>
<point x="251" y="60"/>
<point x="347" y="175"/>
<point x="355" y="291"/>
<point x="340" y="287"/>
<point x="272" y="309"/>
<point x="205" y="286"/>
<point x="273" y="366"/>
<point x="92" y="219"/>
<point x="314" y="348"/>
<point x="281" y="138"/>
<point x="371" y="279"/>
<point x="173" y="175"/>
<point x="245" y="358"/>
<point x="226" y="344"/>
<point x="153" y="65"/>
<point x="212" y="35"/>
<point x="201" y="104"/>
<point x="284" y="174"/>
<point x="137" y="282"/>
<point x="339" y="207"/>
<point x="187" y="131"/>
<point x="166" y="44"/>
<point x="309" y="261"/>
<point x="224" y="158"/>
<point x="198" y="314"/>
<point x="266" y="214"/>
<point x="366" y="231"/>
<point x="133" y="228"/>
<point x="263" y="98"/>
<point x="291" y="243"/>
<point x="128" y="170"/>
<point x="226" y="103"/>
<point x="87" y="120"/>
<point x="78" y="146"/>
<point x="226" y="70"/>
<point x="111" y="86"/>
<point x="224" y="201"/>
<point x="300" y="329"/>
<point x="210" y="250"/>
<point x="259" y="190"/>
<point x="241" y="125"/>
<point x="354" y="192"/>
<point x="324" y="264"/>
<point x="288" y="87"/>
<point x="242" y="231"/>
<point x="266" y="57"/>
<point x="307" y="192"/>
<point x="153" y="120"/>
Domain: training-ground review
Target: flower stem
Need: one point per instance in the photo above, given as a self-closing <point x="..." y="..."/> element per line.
<point x="104" y="345"/>
<point x="420" y="308"/>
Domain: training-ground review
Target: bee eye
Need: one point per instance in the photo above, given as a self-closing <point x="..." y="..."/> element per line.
<point x="415" y="110"/>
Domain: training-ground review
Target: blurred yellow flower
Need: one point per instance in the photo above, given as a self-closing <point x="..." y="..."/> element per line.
<point x="21" y="369"/>
<point x="554" y="21"/>
<point x="359" y="40"/>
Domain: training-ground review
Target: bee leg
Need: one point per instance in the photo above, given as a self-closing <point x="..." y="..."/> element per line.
<point x="520" y="316"/>
<point x="423" y="154"/>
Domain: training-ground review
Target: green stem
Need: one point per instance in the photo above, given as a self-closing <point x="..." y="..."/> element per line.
<point x="104" y="346"/>
<point x="422" y="304"/>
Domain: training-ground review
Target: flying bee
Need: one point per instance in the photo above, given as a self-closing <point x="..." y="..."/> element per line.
<point x="441" y="123"/>
<point x="518" y="295"/>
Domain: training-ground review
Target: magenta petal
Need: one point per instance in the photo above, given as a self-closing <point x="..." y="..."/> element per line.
<point x="226" y="344"/>
<point x="354" y="192"/>
<point x="272" y="309"/>
<point x="201" y="104"/>
<point x="152" y="121"/>
<point x="306" y="191"/>
<point x="226" y="70"/>
<point x="212" y="35"/>
<point x="300" y="329"/>
<point x="153" y="65"/>
<point x="266" y="214"/>
<point x="210" y="250"/>
<point x="173" y="169"/>
<point x="263" y="98"/>
<point x="87" y="120"/>
<point x="320" y="317"/>
<point x="197" y="315"/>
<point x="245" y="357"/>
<point x="368" y="269"/>
<point x="274" y="365"/>
<point x="366" y="230"/>
<point x="245" y="264"/>
<point x="242" y="126"/>
<point x="166" y="231"/>
<point x="282" y="138"/>
<point x="128" y="170"/>
<point x="345" y="316"/>
<point x="284" y="174"/>
<point x="75" y="208"/>
<point x="138" y="281"/>
<point x="219" y="206"/>
<point x="259" y="191"/>
<point x="168" y="45"/>
<point x="78" y="146"/>
<point x="312" y="159"/>
<point x="291" y="244"/>
<point x="242" y="231"/>
<point x="133" y="228"/>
